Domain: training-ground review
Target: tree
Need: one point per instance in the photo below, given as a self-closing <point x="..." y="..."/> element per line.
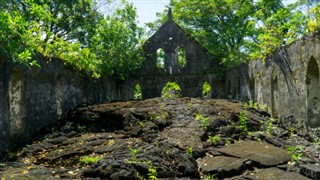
<point x="279" y="29"/>
<point x="219" y="25"/>
<point x="70" y="20"/>
<point x="118" y="37"/>
<point x="74" y="31"/>
<point x="237" y="31"/>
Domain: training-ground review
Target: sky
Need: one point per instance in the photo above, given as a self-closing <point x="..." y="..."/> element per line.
<point x="147" y="9"/>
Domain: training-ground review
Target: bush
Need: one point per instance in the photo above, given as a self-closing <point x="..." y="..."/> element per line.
<point x="171" y="90"/>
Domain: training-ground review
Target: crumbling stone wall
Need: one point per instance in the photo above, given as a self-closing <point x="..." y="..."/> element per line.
<point x="288" y="82"/>
<point x="199" y="64"/>
<point x="31" y="99"/>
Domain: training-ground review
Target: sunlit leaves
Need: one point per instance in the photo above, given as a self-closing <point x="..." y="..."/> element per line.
<point x="73" y="31"/>
<point x="314" y="19"/>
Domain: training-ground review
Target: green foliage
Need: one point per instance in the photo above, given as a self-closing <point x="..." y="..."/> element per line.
<point x="171" y="90"/>
<point x="238" y="31"/>
<point x="279" y="29"/>
<point x="160" y="58"/>
<point x="206" y="89"/>
<point x="89" y="160"/>
<point x="214" y="139"/>
<point x="134" y="153"/>
<point x="251" y="104"/>
<point x="270" y="125"/>
<point x="182" y="62"/>
<point x="74" y="31"/>
<point x="291" y="132"/>
<point x="81" y="128"/>
<point x="264" y="107"/>
<point x="137" y="92"/>
<point x="243" y="120"/>
<point x="209" y="177"/>
<point x="189" y="151"/>
<point x="205" y="122"/>
<point x="152" y="173"/>
<point x="255" y="105"/>
<point x="313" y="22"/>
<point x="296" y="153"/>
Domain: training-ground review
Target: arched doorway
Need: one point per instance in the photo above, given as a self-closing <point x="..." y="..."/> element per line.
<point x="312" y="82"/>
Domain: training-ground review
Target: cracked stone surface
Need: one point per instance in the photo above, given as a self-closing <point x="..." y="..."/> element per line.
<point x="128" y="140"/>
<point x="261" y="152"/>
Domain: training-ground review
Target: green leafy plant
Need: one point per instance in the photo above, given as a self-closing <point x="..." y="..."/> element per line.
<point x="214" y="139"/>
<point x="291" y="132"/>
<point x="171" y="90"/>
<point x="189" y="151"/>
<point x="243" y="120"/>
<point x="206" y="89"/>
<point x="203" y="120"/>
<point x="152" y="173"/>
<point x="134" y="153"/>
<point x="141" y="124"/>
<point x="137" y="92"/>
<point x="251" y="104"/>
<point x="89" y="160"/>
<point x="264" y="107"/>
<point x="228" y="141"/>
<point x="209" y="177"/>
<point x="296" y="153"/>
<point x="81" y="129"/>
<point x="270" y="125"/>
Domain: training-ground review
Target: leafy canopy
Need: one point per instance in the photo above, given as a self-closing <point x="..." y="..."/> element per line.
<point x="238" y="31"/>
<point x="75" y="31"/>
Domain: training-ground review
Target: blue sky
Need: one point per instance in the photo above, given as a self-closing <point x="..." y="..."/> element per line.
<point x="147" y="9"/>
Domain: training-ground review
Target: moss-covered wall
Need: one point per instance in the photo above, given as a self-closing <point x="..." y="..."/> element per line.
<point x="287" y="81"/>
<point x="31" y="99"/>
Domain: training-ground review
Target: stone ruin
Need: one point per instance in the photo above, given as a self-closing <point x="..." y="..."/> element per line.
<point x="287" y="81"/>
<point x="198" y="67"/>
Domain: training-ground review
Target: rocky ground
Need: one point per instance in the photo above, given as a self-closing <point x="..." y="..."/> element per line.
<point x="185" y="138"/>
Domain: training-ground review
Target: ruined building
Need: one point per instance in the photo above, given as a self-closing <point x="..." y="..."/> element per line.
<point x="31" y="99"/>
<point x="288" y="81"/>
<point x="197" y="69"/>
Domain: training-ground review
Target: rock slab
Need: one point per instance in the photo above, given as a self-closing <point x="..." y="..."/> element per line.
<point x="260" y="152"/>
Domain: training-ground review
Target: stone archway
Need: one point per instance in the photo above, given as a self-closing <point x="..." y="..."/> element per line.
<point x="312" y="82"/>
<point x="274" y="93"/>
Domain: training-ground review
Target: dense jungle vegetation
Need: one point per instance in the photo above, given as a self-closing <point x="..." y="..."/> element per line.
<point x="102" y="37"/>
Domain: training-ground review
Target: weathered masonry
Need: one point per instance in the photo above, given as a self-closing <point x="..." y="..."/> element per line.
<point x="288" y="82"/>
<point x="34" y="98"/>
<point x="172" y="55"/>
